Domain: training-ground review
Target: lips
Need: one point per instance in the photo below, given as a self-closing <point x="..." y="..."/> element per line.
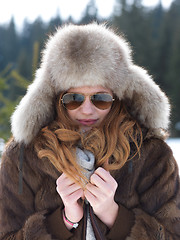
<point x="87" y="122"/>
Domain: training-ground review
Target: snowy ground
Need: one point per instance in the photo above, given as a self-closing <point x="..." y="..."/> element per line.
<point x="1" y="146"/>
<point x="174" y="143"/>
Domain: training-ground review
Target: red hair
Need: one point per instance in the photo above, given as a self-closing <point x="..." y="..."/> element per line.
<point x="110" y="143"/>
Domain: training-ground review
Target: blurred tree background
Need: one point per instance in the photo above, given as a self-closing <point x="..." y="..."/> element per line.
<point x="154" y="34"/>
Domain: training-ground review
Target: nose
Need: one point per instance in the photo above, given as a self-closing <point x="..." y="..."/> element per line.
<point x="87" y="107"/>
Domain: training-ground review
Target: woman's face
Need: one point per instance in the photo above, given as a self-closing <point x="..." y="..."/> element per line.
<point x="87" y="115"/>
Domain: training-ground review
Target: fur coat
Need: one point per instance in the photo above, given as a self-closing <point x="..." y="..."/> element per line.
<point x="148" y="196"/>
<point x="148" y="192"/>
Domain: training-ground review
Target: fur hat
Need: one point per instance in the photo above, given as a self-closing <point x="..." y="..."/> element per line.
<point x="88" y="55"/>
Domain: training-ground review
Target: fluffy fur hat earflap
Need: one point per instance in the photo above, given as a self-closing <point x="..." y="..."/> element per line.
<point x="88" y="55"/>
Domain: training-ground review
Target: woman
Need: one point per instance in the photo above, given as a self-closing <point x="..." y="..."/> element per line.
<point x="88" y="152"/>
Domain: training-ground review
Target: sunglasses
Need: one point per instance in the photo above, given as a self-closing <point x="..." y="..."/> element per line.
<point x="72" y="101"/>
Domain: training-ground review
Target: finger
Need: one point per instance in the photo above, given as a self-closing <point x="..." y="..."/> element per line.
<point x="101" y="187"/>
<point x="102" y="173"/>
<point x="74" y="197"/>
<point x="71" y="197"/>
<point x="92" y="199"/>
<point x="106" y="177"/>
<point x="98" y="181"/>
<point x="65" y="190"/>
<point x="93" y="189"/>
<point x="101" y="193"/>
<point x="63" y="182"/>
<point x="64" y="178"/>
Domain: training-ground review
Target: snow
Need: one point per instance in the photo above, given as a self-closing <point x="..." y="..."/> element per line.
<point x="2" y="144"/>
<point x="174" y="144"/>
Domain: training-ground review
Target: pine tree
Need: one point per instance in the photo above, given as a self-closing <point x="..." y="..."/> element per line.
<point x="90" y="14"/>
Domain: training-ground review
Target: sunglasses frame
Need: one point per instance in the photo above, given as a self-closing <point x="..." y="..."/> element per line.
<point x="86" y="95"/>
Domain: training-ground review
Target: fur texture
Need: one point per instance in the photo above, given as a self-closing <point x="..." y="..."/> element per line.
<point x="148" y="198"/>
<point x="88" y="55"/>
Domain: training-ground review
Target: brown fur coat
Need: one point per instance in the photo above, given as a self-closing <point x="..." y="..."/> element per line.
<point x="148" y="196"/>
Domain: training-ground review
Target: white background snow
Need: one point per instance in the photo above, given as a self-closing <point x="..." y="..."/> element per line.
<point x="174" y="143"/>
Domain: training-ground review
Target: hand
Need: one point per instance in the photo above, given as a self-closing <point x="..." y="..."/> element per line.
<point x="100" y="194"/>
<point x="70" y="193"/>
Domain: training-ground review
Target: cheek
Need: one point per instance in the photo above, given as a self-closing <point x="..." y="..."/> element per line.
<point x="71" y="114"/>
<point x="104" y="113"/>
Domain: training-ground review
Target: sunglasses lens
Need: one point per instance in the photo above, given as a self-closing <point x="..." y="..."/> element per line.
<point x="72" y="101"/>
<point x="102" y="100"/>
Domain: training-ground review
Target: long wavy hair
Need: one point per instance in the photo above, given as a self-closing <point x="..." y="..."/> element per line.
<point x="111" y="143"/>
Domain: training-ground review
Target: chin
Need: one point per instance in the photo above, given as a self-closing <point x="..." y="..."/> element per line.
<point x="85" y="128"/>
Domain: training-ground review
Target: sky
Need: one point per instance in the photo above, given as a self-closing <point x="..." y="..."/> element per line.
<point x="21" y="9"/>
